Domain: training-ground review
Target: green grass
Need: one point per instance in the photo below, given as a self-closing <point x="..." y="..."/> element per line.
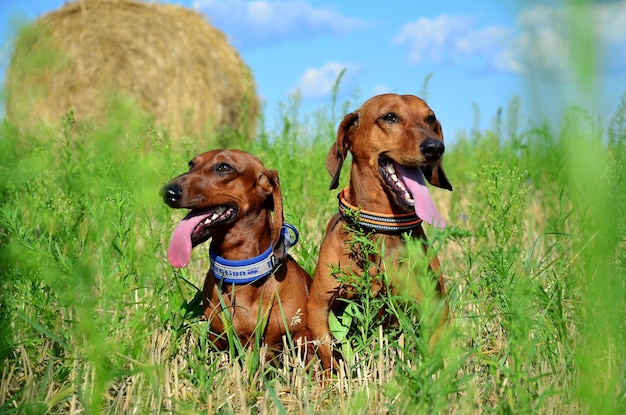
<point x="94" y="319"/>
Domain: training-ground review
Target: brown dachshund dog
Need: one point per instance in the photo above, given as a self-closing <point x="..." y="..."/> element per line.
<point x="253" y="283"/>
<point x="395" y="141"/>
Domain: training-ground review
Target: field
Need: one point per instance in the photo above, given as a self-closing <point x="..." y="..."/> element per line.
<point x="93" y="318"/>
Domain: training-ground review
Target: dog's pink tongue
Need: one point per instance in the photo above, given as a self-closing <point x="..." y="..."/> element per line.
<point x="180" y="247"/>
<point x="425" y="208"/>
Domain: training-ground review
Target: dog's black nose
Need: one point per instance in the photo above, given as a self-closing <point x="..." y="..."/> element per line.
<point x="172" y="194"/>
<point x="432" y="149"/>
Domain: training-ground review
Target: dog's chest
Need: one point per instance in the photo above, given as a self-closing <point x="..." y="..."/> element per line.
<point x="365" y="265"/>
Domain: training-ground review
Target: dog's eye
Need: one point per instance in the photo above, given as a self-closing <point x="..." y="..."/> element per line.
<point x="431" y="119"/>
<point x="223" y="168"/>
<point x="191" y="165"/>
<point x="389" y="117"/>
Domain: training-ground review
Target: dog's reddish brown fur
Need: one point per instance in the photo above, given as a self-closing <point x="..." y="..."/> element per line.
<point x="237" y="178"/>
<point x="370" y="133"/>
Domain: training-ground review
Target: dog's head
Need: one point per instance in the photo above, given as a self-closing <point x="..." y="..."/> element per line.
<point x="221" y="188"/>
<point x="400" y="127"/>
<point x="388" y="136"/>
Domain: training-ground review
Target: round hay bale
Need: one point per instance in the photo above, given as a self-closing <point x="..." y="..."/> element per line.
<point x="167" y="59"/>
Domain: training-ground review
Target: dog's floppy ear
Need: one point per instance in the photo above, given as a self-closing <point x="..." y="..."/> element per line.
<point x="278" y="218"/>
<point x="268" y="185"/>
<point x="339" y="149"/>
<point x="436" y="176"/>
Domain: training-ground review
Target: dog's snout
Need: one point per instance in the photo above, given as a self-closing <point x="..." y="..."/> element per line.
<point x="432" y="149"/>
<point x="172" y="195"/>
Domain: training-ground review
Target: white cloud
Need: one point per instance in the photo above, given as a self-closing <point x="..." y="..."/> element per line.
<point x="252" y="23"/>
<point x="611" y="19"/>
<point x="484" y="41"/>
<point x="432" y="39"/>
<point x="540" y="43"/>
<point x="547" y="35"/>
<point x="318" y="82"/>
<point x="448" y="38"/>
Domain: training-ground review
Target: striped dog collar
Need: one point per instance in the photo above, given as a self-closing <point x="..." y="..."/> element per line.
<point x="379" y="222"/>
<point x="253" y="269"/>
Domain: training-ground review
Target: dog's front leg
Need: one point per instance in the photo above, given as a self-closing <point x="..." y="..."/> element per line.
<point x="318" y="306"/>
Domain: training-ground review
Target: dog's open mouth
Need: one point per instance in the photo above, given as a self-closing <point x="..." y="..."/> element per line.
<point x="409" y="188"/>
<point x="194" y="229"/>
<point x="389" y="174"/>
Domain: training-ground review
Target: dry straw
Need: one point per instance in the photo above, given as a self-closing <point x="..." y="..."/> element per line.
<point x="167" y="59"/>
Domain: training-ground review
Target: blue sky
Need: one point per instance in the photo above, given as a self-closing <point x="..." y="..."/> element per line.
<point x="480" y="53"/>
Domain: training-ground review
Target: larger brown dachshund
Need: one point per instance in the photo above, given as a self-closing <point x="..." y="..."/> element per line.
<point x="253" y="282"/>
<point x="395" y="141"/>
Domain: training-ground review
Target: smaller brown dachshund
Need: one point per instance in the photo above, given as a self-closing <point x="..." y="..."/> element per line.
<point x="252" y="281"/>
<point x="395" y="142"/>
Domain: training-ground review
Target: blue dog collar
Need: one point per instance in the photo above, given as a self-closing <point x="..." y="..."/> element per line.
<point x="250" y="270"/>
